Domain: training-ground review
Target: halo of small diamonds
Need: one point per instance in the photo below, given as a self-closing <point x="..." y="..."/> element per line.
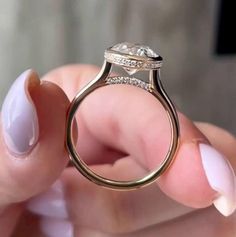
<point x="133" y="57"/>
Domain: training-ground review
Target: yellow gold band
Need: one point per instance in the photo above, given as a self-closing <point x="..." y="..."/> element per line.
<point x="155" y="88"/>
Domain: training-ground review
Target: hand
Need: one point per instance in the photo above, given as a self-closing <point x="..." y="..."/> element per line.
<point x="40" y="196"/>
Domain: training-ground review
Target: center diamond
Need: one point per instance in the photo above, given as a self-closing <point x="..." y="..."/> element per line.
<point x="135" y="50"/>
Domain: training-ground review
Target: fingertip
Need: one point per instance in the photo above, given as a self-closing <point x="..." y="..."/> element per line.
<point x="185" y="181"/>
<point x="32" y="147"/>
<point x="201" y="176"/>
<point x="49" y="157"/>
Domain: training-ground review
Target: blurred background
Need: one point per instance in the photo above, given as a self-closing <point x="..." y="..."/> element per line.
<point x="199" y="72"/>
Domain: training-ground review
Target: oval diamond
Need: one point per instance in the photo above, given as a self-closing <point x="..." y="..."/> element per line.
<point x="135" y="49"/>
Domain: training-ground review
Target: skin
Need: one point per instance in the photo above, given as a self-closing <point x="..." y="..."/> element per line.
<point x="182" y="203"/>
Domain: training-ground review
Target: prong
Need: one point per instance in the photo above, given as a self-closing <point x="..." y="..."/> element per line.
<point x="154" y="80"/>
<point x="104" y="72"/>
<point x="156" y="84"/>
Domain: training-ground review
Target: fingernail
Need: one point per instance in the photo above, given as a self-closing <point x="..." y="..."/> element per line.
<point x="221" y="178"/>
<point x="50" y="203"/>
<point x="52" y="227"/>
<point x="19" y="117"/>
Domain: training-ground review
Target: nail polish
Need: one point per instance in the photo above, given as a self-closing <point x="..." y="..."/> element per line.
<point x="50" y="203"/>
<point x="221" y="178"/>
<point x="19" y="117"/>
<point x="53" y="227"/>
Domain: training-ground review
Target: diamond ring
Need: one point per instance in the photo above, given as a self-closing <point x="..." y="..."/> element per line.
<point x="132" y="58"/>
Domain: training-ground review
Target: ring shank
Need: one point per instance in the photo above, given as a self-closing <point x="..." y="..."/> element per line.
<point x="159" y="93"/>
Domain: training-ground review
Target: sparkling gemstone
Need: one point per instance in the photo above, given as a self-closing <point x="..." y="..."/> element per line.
<point x="135" y="49"/>
<point x="128" y="80"/>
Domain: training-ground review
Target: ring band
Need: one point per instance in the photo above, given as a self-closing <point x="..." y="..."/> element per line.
<point x="132" y="58"/>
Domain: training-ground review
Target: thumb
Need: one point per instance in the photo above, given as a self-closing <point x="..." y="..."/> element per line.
<point x="32" y="131"/>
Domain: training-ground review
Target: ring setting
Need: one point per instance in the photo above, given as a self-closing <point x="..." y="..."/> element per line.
<point x="140" y="57"/>
<point x="132" y="58"/>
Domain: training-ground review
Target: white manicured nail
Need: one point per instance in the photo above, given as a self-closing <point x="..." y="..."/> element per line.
<point x="19" y="117"/>
<point x="221" y="178"/>
<point x="52" y="227"/>
<point x="50" y="203"/>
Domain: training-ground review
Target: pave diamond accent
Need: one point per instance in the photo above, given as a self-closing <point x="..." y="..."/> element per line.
<point x="135" y="49"/>
<point x="128" y="81"/>
<point x="131" y="66"/>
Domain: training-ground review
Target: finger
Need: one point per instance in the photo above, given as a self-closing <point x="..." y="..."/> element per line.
<point x="120" y="212"/>
<point x="216" y="225"/>
<point x="32" y="150"/>
<point x="53" y="226"/>
<point x="85" y="204"/>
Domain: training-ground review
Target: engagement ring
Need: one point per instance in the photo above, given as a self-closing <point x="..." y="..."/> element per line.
<point x="132" y="58"/>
